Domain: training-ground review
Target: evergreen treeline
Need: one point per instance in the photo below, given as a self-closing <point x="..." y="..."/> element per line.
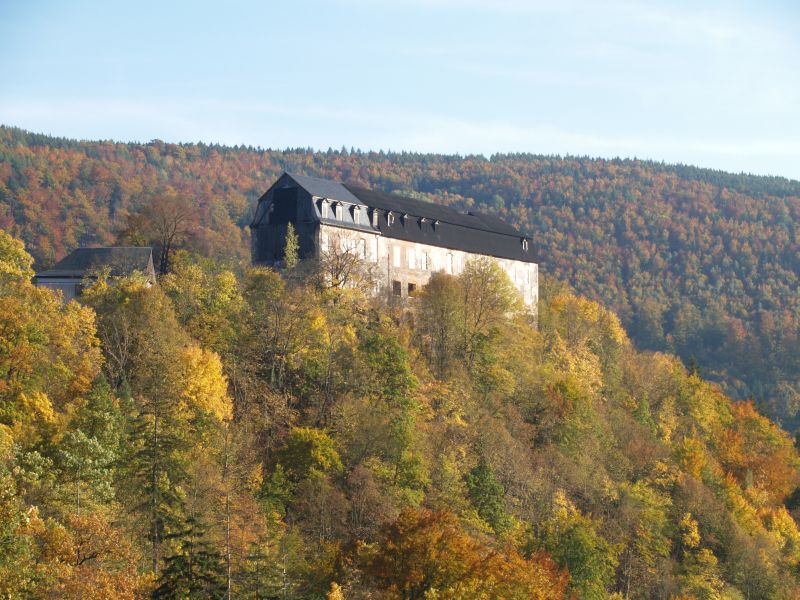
<point x="699" y="263"/>
<point x="245" y="434"/>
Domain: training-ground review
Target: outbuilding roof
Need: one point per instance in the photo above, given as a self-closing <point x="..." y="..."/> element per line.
<point x="120" y="260"/>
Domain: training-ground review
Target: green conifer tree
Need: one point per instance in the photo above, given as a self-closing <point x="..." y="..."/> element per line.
<point x="291" y="252"/>
<point x="196" y="570"/>
<point x="487" y="496"/>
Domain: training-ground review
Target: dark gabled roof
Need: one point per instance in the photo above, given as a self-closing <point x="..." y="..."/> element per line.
<point x="324" y="188"/>
<point x="420" y="208"/>
<point x="121" y="260"/>
<point x="446" y="227"/>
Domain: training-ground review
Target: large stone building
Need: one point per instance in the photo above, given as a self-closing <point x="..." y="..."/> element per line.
<point x="402" y="239"/>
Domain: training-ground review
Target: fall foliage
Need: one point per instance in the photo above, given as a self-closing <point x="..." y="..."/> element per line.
<point x="698" y="263"/>
<point x="237" y="433"/>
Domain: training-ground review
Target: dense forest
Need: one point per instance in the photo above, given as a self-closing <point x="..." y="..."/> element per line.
<point x="698" y="263"/>
<point x="238" y="433"/>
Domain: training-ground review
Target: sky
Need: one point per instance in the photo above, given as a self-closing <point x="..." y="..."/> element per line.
<point x="710" y="84"/>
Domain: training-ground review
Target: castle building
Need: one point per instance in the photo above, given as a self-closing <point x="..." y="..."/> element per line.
<point x="403" y="240"/>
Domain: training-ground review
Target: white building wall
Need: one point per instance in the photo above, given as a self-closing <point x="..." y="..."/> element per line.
<point x="413" y="263"/>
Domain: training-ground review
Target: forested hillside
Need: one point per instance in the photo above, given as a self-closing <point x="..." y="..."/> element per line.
<point x="700" y="263"/>
<point x="242" y="434"/>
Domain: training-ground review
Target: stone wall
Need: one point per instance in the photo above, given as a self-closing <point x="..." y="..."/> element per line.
<point x="402" y="267"/>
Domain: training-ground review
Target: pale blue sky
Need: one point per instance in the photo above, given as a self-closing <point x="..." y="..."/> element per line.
<point x="711" y="84"/>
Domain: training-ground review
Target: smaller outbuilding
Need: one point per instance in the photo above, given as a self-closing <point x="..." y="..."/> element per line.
<point x="85" y="264"/>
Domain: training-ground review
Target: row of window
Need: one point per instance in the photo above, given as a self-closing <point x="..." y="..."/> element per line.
<point x="397" y="288"/>
<point x="424" y="261"/>
<point x="357" y="246"/>
<point x="356" y="214"/>
<point x="415" y="259"/>
<point x="360" y="216"/>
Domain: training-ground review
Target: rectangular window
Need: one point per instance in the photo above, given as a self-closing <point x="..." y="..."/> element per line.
<point x="324" y="243"/>
<point x="343" y="244"/>
<point x="412" y="258"/>
<point x="325" y="209"/>
<point x="396" y="256"/>
<point x="373" y="249"/>
<point x="362" y="249"/>
<point x="339" y="212"/>
<point x="425" y="266"/>
<point x="397" y="288"/>
<point x="450" y="264"/>
<point x="412" y="289"/>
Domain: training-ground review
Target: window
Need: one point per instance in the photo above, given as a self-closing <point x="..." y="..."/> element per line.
<point x="412" y="289"/>
<point x="425" y="263"/>
<point x="375" y="217"/>
<point x="396" y="256"/>
<point x="524" y="245"/>
<point x="373" y="249"/>
<point x="357" y="215"/>
<point x="390" y="218"/>
<point x="344" y="244"/>
<point x="412" y="258"/>
<point x="325" y="211"/>
<point x="339" y="211"/>
<point x="362" y="248"/>
<point x="450" y="264"/>
<point x="397" y="288"/>
<point x="324" y="243"/>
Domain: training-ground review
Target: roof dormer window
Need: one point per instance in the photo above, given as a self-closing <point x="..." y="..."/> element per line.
<point x="390" y="218"/>
<point x="375" y="218"/>
<point x="325" y="209"/>
<point x="524" y="245"/>
<point x="339" y="210"/>
<point x="357" y="215"/>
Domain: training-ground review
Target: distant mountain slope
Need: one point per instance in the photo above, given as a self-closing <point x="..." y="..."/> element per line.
<point x="699" y="262"/>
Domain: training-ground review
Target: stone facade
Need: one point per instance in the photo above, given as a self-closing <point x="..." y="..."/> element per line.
<point x="401" y="268"/>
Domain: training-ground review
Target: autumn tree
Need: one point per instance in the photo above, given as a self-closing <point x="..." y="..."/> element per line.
<point x="166" y="221"/>
<point x="574" y="540"/>
<point x="426" y="554"/>
<point x="439" y="309"/>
